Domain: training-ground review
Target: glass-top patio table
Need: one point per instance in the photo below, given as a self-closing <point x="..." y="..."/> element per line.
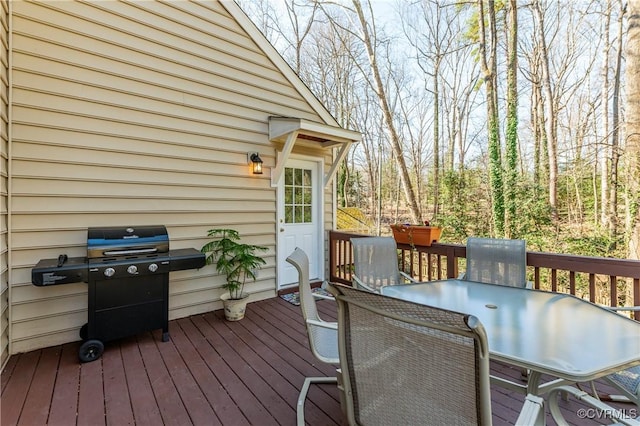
<point x="547" y="333"/>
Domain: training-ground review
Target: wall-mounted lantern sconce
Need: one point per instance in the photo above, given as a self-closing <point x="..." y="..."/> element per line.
<point x="256" y="163"/>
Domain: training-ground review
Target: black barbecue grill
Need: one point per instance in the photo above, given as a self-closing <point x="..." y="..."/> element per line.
<point x="127" y="269"/>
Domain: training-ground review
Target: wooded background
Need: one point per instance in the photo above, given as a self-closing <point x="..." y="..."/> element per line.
<point x="497" y="118"/>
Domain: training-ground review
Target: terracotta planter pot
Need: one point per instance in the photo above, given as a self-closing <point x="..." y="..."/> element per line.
<point x="417" y="235"/>
<point x="234" y="308"/>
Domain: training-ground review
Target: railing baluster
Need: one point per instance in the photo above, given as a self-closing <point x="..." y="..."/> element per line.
<point x="592" y="288"/>
<point x="431" y="264"/>
<point x="572" y="282"/>
<point x="636" y="297"/>
<point x="613" y="293"/>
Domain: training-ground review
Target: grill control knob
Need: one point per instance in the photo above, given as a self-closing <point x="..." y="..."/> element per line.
<point x="109" y="272"/>
<point x="153" y="267"/>
<point x="133" y="269"/>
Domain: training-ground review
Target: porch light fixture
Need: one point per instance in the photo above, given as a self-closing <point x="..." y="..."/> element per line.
<point x="256" y="163"/>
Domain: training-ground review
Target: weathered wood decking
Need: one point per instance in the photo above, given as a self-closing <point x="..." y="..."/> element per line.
<point x="212" y="372"/>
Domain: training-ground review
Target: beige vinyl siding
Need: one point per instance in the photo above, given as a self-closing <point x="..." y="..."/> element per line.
<point x="136" y="114"/>
<point x="4" y="183"/>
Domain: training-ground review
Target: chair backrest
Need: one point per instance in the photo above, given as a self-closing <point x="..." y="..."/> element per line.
<point x="376" y="261"/>
<point x="322" y="341"/>
<point x="300" y="261"/>
<point x="406" y="363"/>
<point x="497" y="261"/>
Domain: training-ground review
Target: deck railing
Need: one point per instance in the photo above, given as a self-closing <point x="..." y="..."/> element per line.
<point x="607" y="281"/>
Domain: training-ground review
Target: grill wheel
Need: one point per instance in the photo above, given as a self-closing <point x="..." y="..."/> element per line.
<point x="91" y="350"/>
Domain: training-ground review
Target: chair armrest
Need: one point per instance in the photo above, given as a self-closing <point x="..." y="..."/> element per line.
<point x="408" y="277"/>
<point x="529" y="285"/>
<point x="323" y="324"/>
<point x="532" y="412"/>
<point x="323" y="296"/>
<point x="623" y="308"/>
<point x="601" y="409"/>
<point x="357" y="283"/>
<point x="462" y="276"/>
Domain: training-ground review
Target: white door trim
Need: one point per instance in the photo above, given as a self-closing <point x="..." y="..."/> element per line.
<point x="317" y="258"/>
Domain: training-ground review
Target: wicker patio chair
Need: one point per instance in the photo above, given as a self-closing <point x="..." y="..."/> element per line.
<point x="322" y="335"/>
<point x="497" y="261"/>
<point x="376" y="263"/>
<point x="601" y="410"/>
<point x="628" y="382"/>
<point x="404" y="363"/>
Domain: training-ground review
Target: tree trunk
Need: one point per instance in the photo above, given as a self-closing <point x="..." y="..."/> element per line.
<point x="550" y="126"/>
<point x="632" y="150"/>
<point x="604" y="150"/>
<point x="394" y="138"/>
<point x="615" y="134"/>
<point x="488" y="66"/>
<point x="436" y="138"/>
<point x="512" y="120"/>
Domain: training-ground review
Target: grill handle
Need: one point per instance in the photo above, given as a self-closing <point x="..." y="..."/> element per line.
<point x="134" y="251"/>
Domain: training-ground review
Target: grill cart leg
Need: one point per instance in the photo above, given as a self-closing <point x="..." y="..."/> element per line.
<point x="91" y="350"/>
<point x="84" y="331"/>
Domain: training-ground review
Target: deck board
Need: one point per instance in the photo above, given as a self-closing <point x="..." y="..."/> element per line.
<point x="223" y="407"/>
<point x="15" y="393"/>
<point x="143" y="402"/>
<point x="64" y="403"/>
<point x="211" y="372"/>
<point x="117" y="400"/>
<point x="41" y="388"/>
<point x="169" y="401"/>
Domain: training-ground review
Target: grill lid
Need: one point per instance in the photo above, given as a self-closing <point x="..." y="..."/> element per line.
<point x="126" y="241"/>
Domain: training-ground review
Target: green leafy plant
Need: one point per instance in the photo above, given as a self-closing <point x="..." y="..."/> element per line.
<point x="236" y="260"/>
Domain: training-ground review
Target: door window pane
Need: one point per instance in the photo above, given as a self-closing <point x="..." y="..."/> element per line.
<point x="298" y="200"/>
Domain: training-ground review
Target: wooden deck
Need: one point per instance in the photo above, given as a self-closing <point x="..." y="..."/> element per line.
<point x="212" y="372"/>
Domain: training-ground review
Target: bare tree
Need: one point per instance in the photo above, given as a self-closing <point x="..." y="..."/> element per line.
<point x="488" y="38"/>
<point x="364" y="28"/>
<point x="512" y="120"/>
<point x="420" y="98"/>
<point x="615" y="131"/>
<point x="429" y="32"/>
<point x="433" y="30"/>
<point x="632" y="151"/>
<point x="550" y="128"/>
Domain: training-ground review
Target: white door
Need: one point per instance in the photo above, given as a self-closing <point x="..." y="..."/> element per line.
<point x="299" y="219"/>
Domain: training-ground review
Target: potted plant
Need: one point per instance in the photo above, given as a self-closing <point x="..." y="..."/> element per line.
<point x="238" y="262"/>
<point x="416" y="235"/>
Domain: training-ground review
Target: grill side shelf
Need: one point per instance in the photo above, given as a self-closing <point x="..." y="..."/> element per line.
<point x="188" y="258"/>
<point x="47" y="272"/>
